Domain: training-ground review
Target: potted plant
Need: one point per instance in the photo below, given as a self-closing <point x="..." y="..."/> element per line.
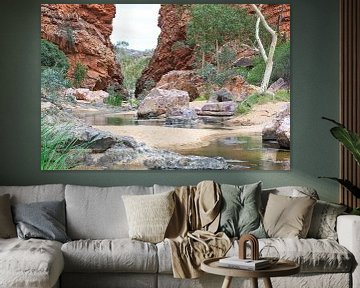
<point x="351" y="141"/>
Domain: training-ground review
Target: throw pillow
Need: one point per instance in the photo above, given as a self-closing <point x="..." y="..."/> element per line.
<point x="240" y="213"/>
<point x="43" y="220"/>
<point x="7" y="227"/>
<point x="323" y="222"/>
<point x="149" y="215"/>
<point x="288" y="217"/>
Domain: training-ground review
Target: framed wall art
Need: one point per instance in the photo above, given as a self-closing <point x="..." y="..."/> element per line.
<point x="170" y="86"/>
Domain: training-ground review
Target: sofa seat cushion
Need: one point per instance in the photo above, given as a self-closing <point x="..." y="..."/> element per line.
<point x="30" y="263"/>
<point x="313" y="255"/>
<point x="115" y="255"/>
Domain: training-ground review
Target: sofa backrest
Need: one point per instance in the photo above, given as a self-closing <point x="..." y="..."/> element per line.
<point x="35" y="193"/>
<point x="98" y="212"/>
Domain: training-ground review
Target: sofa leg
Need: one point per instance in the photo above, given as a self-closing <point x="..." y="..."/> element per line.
<point x="227" y="282"/>
<point x="267" y="282"/>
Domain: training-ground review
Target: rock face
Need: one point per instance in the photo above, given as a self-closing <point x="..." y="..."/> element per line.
<point x="82" y="32"/>
<point x="173" y="20"/>
<point x="239" y="88"/>
<point x="168" y="56"/>
<point x="279" y="129"/>
<point x="160" y="101"/>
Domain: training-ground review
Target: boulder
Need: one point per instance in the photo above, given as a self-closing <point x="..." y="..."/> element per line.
<point x="240" y="89"/>
<point x="185" y="80"/>
<point x="220" y="109"/>
<point x="87" y="95"/>
<point x="183" y="117"/>
<point x="279" y="128"/>
<point x="160" y="101"/>
<point x="244" y="62"/>
<point x="221" y="95"/>
<point x="277" y="85"/>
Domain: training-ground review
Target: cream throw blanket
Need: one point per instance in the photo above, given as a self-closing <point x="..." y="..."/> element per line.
<point x="191" y="231"/>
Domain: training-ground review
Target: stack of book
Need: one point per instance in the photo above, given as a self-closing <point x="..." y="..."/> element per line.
<point x="248" y="264"/>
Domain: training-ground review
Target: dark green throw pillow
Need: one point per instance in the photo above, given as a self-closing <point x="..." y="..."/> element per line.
<point x="43" y="220"/>
<point x="240" y="213"/>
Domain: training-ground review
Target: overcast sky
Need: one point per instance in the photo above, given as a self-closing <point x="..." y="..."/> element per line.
<point x="137" y="25"/>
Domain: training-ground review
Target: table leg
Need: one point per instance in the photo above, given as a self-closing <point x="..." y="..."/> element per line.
<point x="254" y="282"/>
<point x="227" y="282"/>
<point x="267" y="283"/>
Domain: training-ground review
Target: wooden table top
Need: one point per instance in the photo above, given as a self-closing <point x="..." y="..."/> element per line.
<point x="281" y="268"/>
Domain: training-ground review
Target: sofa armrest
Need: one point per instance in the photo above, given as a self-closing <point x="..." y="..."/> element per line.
<point x="348" y="230"/>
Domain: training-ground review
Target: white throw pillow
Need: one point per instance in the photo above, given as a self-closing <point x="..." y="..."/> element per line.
<point x="149" y="215"/>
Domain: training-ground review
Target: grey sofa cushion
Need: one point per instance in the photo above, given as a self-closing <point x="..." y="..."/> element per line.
<point x="313" y="255"/>
<point x="43" y="220"/>
<point x="98" y="213"/>
<point x="34" y="193"/>
<point x="117" y="255"/>
<point x="30" y="263"/>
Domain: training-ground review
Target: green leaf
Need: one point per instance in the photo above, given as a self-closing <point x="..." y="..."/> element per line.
<point x="349" y="139"/>
<point x="347" y="184"/>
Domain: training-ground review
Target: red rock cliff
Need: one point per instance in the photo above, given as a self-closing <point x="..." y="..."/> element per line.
<point x="82" y="32"/>
<point x="173" y="19"/>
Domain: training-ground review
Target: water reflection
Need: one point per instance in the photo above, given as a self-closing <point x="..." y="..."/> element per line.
<point x="241" y="152"/>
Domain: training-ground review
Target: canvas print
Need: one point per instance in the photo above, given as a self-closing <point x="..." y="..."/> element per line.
<point x="165" y="86"/>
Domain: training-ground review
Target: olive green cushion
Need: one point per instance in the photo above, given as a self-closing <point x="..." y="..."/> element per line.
<point x="240" y="213"/>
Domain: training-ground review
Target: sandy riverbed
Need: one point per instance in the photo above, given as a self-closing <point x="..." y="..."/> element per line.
<point x="184" y="138"/>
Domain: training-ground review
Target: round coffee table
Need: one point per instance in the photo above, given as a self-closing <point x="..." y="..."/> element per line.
<point x="281" y="268"/>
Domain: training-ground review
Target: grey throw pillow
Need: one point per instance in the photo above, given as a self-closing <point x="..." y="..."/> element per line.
<point x="240" y="213"/>
<point x="7" y="226"/>
<point x="323" y="222"/>
<point x="43" y="220"/>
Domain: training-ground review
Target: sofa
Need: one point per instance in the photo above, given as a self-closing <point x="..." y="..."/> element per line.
<point x="100" y="253"/>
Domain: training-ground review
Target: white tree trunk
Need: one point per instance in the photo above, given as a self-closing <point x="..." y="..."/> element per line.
<point x="258" y="40"/>
<point x="269" y="62"/>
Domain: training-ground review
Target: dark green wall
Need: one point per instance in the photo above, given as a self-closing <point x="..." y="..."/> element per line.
<point x="315" y="49"/>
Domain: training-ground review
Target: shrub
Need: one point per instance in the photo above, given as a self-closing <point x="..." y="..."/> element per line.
<point x="52" y="80"/>
<point x="212" y="76"/>
<point x="59" y="151"/>
<point x="53" y="57"/>
<point x="281" y="68"/>
<point x="114" y="98"/>
<point x="79" y="74"/>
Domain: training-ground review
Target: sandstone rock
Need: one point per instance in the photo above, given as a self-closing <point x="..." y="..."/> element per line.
<point x="243" y="62"/>
<point x="217" y="109"/>
<point x="87" y="95"/>
<point x="283" y="133"/>
<point x="221" y="95"/>
<point x="277" y="85"/>
<point x="240" y="89"/>
<point x="159" y="101"/>
<point x="82" y="32"/>
<point x="185" y="80"/>
<point x="182" y="117"/>
<point x="279" y="129"/>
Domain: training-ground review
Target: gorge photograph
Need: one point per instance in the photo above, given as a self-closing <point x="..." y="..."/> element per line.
<point x="165" y="87"/>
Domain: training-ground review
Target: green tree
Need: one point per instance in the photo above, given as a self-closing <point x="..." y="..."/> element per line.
<point x="212" y="25"/>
